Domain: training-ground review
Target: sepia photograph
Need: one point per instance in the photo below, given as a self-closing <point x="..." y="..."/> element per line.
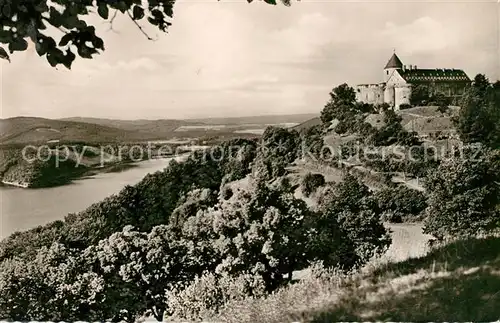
<point x="249" y="161"/>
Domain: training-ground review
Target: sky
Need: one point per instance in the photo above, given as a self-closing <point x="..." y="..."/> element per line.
<point x="229" y="58"/>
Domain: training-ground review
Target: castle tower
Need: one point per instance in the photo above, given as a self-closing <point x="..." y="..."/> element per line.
<point x="393" y="64"/>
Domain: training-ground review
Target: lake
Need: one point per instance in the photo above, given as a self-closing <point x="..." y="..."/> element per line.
<point x="22" y="209"/>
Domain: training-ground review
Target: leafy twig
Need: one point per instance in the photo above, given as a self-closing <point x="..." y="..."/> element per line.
<point x="140" y="28"/>
<point x="111" y="22"/>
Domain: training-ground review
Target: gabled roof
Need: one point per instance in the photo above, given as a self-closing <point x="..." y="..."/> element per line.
<point x="394" y="62"/>
<point x="434" y="75"/>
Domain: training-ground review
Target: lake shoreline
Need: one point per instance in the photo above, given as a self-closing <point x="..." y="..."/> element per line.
<point x="15" y="184"/>
<point x="24" y="209"/>
<point x="68" y="177"/>
<point x="87" y="173"/>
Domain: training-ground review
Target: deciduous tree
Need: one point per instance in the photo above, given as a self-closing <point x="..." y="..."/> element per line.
<point x="479" y="117"/>
<point x="278" y="148"/>
<point x="342" y="101"/>
<point x="464" y="194"/>
<point x="352" y="206"/>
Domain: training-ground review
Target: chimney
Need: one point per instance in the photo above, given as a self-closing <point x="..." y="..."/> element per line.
<point x="410" y="67"/>
<point x="414" y="67"/>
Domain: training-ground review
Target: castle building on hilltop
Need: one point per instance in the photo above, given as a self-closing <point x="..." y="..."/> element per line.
<point x="399" y="80"/>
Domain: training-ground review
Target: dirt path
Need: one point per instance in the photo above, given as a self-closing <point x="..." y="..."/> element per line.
<point x="408" y="241"/>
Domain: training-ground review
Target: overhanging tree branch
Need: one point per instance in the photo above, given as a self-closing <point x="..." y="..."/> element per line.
<point x="139" y="26"/>
<point x="23" y="19"/>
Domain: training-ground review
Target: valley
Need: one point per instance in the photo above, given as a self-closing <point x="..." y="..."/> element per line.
<point x="72" y="148"/>
<point x="331" y="218"/>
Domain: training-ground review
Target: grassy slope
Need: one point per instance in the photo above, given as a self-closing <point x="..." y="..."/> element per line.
<point x="456" y="282"/>
<point x="408" y="241"/>
<point x="308" y="123"/>
<point x="420" y="119"/>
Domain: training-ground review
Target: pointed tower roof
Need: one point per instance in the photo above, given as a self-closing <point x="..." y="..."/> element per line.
<point x="394" y="62"/>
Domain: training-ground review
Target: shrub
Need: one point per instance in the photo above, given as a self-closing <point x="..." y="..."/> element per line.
<point x="380" y="108"/>
<point x="441" y="101"/>
<point x="392" y="132"/>
<point x="204" y="297"/>
<point x="226" y="192"/>
<point x="420" y="95"/>
<point x="443" y="109"/>
<point x="311" y="182"/>
<point x="312" y="140"/>
<point x="405" y="106"/>
<point x="324" y="194"/>
<point x="284" y="184"/>
<point x="312" y="293"/>
<point x="400" y="203"/>
<point x="366" y="107"/>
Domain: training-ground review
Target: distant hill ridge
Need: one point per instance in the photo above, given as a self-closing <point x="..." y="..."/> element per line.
<point x="36" y="130"/>
<point x="133" y="124"/>
<point x="20" y="130"/>
<point x="262" y="119"/>
<point x="161" y="128"/>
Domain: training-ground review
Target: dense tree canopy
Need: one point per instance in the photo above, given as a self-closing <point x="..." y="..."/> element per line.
<point x="144" y="205"/>
<point x="423" y="95"/>
<point x="278" y="148"/>
<point x="253" y="239"/>
<point x="310" y="182"/>
<point x="479" y="118"/>
<point x="34" y="19"/>
<point x="464" y="193"/>
<point x="311" y="140"/>
<point x="352" y="207"/>
<point x="420" y="95"/>
<point x="400" y="203"/>
<point x="342" y="100"/>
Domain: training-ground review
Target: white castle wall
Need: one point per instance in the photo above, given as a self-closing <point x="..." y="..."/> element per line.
<point x="389" y="95"/>
<point x="402" y="96"/>
<point x="370" y="93"/>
